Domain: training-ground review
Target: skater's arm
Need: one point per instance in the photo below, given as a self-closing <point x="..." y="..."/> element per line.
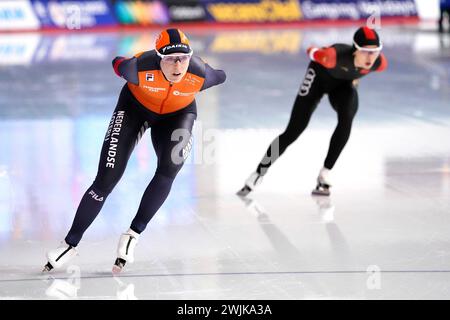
<point x="126" y="68"/>
<point x="325" y="56"/>
<point x="380" y="64"/>
<point x="213" y="77"/>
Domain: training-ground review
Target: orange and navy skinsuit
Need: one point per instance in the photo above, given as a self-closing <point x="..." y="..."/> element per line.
<point x="149" y="86"/>
<point x="331" y="71"/>
<point x="147" y="100"/>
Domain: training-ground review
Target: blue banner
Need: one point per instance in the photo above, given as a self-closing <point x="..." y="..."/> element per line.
<point x="73" y="15"/>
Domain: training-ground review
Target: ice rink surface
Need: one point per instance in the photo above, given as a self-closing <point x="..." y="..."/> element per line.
<point x="383" y="234"/>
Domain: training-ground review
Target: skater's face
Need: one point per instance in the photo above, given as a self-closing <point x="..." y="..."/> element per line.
<point x="175" y="65"/>
<point x="364" y="58"/>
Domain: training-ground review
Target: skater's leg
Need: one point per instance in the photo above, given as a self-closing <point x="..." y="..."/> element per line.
<point x="172" y="142"/>
<point x="441" y="20"/>
<point x="447" y="11"/>
<point x="301" y="114"/>
<point x="118" y="145"/>
<point x="309" y="96"/>
<point x="171" y="139"/>
<point x="345" y="101"/>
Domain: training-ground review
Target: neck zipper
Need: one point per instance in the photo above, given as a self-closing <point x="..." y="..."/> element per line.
<point x="167" y="97"/>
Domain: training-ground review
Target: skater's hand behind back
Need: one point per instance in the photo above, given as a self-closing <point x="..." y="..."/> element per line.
<point x="126" y="68"/>
<point x="324" y="56"/>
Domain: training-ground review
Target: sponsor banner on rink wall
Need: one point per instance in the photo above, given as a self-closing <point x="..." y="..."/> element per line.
<point x="17" y="15"/>
<point x="72" y="15"/>
<point x="158" y="12"/>
<point x="141" y="12"/>
<point x="68" y="14"/>
<point x="297" y="10"/>
<point x="186" y="10"/>
<point x="254" y="10"/>
<point x="352" y="9"/>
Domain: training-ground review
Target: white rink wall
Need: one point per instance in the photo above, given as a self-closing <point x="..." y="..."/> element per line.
<point x="428" y="9"/>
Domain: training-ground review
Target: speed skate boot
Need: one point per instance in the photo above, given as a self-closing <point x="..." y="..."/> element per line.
<point x="323" y="183"/>
<point x="60" y="256"/>
<point x="254" y="180"/>
<point x="125" y="250"/>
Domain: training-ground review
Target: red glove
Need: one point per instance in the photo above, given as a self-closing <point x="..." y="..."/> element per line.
<point x="324" y="56"/>
<point x="383" y="64"/>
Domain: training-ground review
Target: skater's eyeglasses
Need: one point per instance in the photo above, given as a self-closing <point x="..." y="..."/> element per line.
<point x="364" y="49"/>
<point x="174" y="58"/>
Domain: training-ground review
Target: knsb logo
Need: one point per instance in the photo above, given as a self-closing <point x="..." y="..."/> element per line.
<point x="149" y="77"/>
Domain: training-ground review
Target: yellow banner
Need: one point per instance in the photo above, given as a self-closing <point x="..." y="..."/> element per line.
<point x="263" y="11"/>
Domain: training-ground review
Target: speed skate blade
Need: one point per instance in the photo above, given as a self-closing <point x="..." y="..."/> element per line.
<point x="321" y="192"/>
<point x="47" y="267"/>
<point x="118" y="266"/>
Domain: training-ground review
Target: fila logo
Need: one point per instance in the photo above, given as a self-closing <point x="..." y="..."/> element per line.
<point x="307" y="82"/>
<point x="95" y="196"/>
<point x="149" y="77"/>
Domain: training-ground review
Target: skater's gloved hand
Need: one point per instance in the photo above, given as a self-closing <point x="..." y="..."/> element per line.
<point x="115" y="63"/>
<point x="126" y="68"/>
<point x="324" y="56"/>
<point x="381" y="63"/>
<point x="213" y="77"/>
